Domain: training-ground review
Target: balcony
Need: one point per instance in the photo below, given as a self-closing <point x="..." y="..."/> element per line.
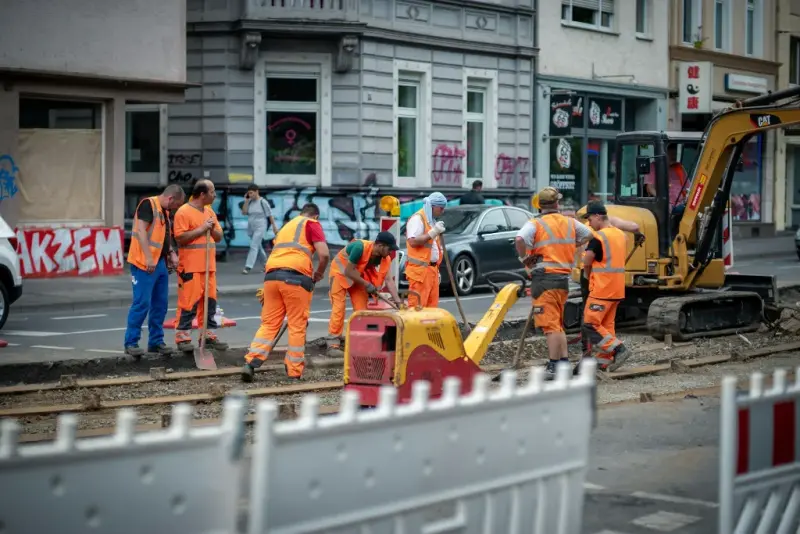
<point x="301" y="10"/>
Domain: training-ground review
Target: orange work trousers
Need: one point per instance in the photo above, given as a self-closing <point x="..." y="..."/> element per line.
<point x="548" y="310"/>
<point x="282" y="300"/>
<point x="598" y="327"/>
<point x="338" y="295"/>
<point x="428" y="289"/>
<point x="190" y="303"/>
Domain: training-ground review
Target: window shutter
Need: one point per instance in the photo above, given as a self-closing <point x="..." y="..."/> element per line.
<point x="608" y="6"/>
<point x="588" y="4"/>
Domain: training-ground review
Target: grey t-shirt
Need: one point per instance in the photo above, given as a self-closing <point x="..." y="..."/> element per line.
<point x="258" y="214"/>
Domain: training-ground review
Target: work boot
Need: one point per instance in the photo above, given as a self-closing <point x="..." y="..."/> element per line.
<point x="621" y="354"/>
<point x="213" y="342"/>
<point x="134" y="352"/>
<point x="162" y="349"/>
<point x="184" y="345"/>
<point x="286" y="369"/>
<point x="248" y="373"/>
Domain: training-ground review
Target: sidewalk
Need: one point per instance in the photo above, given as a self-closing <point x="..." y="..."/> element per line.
<point x="766" y="247"/>
<point x="75" y="293"/>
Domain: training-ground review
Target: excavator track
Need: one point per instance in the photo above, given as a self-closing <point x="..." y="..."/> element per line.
<point x="705" y="314"/>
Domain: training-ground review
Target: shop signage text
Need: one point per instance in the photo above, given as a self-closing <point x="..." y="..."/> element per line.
<point x="86" y="251"/>
<point x="746" y="84"/>
<point x="560" y="115"/>
<point x="605" y="114"/>
<point x="695" y="83"/>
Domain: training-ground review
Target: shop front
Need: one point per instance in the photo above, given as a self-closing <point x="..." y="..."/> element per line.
<point x="705" y="89"/>
<point x="579" y="124"/>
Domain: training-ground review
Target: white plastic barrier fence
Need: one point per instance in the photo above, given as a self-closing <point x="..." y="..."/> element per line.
<point x="508" y="460"/>
<point x="181" y="480"/>
<point x="760" y="457"/>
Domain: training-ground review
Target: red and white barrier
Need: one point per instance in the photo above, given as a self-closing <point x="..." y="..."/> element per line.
<point x="760" y="457"/>
<point x="82" y="251"/>
<point x="727" y="241"/>
<point x="392" y="225"/>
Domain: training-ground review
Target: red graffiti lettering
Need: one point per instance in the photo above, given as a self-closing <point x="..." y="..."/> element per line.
<point x="447" y="166"/>
<point x="86" y="251"/>
<point x="512" y="172"/>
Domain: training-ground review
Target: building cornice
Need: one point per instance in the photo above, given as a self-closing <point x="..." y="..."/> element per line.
<point x="11" y="75"/>
<point x="722" y="59"/>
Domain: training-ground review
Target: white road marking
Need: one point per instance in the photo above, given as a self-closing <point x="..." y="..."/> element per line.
<point x="98" y="331"/>
<point x="592" y="487"/>
<point x="68" y="317"/>
<point x="608" y="532"/>
<point x="12" y="344"/>
<point x="673" y="499"/>
<point x="105" y="351"/>
<point x="172" y="309"/>
<point x="49" y="347"/>
<point x="665" y="521"/>
<point x="30" y="333"/>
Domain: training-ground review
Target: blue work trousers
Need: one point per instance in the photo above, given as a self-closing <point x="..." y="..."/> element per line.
<point x="150" y="298"/>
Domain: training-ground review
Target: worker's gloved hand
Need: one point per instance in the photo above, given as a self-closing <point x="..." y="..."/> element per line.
<point x="371" y="289"/>
<point x="260" y="296"/>
<point x="437" y="230"/>
<point x="638" y="238"/>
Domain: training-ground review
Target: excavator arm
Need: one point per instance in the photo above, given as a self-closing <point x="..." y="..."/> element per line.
<point x="723" y="142"/>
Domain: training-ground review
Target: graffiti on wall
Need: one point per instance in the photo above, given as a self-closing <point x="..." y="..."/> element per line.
<point x="447" y="168"/>
<point x="8" y="177"/>
<point x="85" y="251"/>
<point x="512" y="172"/>
<point x="184" y="167"/>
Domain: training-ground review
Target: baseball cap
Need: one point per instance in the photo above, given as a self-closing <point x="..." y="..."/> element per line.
<point x="549" y="195"/>
<point x="595" y="207"/>
<point x="387" y="238"/>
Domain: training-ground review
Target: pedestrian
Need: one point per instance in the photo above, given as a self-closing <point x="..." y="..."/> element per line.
<point x="151" y="255"/>
<point x="192" y="221"/>
<point x="547" y="245"/>
<point x="288" y="288"/>
<point x="360" y="270"/>
<point x="604" y="265"/>
<point x="259" y="220"/>
<point x="474" y="196"/>
<point x="424" y="253"/>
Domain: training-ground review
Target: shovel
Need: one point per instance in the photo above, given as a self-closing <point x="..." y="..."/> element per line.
<point x="204" y="358"/>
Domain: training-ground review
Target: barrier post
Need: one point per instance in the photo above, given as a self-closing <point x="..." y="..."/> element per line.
<point x="392" y="225"/>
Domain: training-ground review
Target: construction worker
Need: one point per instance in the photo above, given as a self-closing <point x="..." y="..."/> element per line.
<point x="359" y="270"/>
<point x="151" y="256"/>
<point x="604" y="265"/>
<point x="288" y="288"/>
<point x="192" y="221"/>
<point x="424" y="254"/>
<point x="547" y="244"/>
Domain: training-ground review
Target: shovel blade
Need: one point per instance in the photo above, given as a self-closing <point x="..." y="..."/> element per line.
<point x="204" y="359"/>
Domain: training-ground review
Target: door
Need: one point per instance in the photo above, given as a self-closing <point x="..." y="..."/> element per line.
<point x="491" y="244"/>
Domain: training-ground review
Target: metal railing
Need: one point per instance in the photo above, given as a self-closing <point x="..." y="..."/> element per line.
<point x="321" y="10"/>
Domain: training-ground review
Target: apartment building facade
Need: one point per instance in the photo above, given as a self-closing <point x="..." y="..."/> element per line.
<point x="787" y="153"/>
<point x="342" y="101"/>
<point x="603" y="69"/>
<point x="722" y="51"/>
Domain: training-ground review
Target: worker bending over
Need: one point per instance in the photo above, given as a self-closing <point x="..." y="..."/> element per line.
<point x="604" y="265"/>
<point x="547" y="245"/>
<point x="288" y="288"/>
<point x="193" y="221"/>
<point x="359" y="270"/>
<point x="424" y="252"/>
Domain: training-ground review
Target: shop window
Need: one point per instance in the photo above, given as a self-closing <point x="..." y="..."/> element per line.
<point x="566" y="170"/>
<point x="691" y="21"/>
<point x="643" y="17"/>
<point x="746" y="188"/>
<point x="60" y="148"/>
<point x="593" y="13"/>
<point x="722" y="25"/>
<point x="143" y="140"/>
<point x="292" y="112"/>
<point x="794" y="61"/>
<point x="601" y="169"/>
<point x="476" y="132"/>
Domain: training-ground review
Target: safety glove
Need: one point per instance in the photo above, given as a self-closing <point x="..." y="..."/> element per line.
<point x="371" y="289"/>
<point x="437" y="230"/>
<point x="638" y="238"/>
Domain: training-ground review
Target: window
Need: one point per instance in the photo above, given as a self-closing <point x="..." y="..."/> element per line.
<point x="722" y="25"/>
<point x="516" y="219"/>
<point x="566" y="170"/>
<point x="143" y="140"/>
<point x="494" y="221"/>
<point x="794" y="61"/>
<point x="746" y="188"/>
<point x="292" y="125"/>
<point x="642" y="17"/>
<point x="476" y="132"/>
<point x="58" y="114"/>
<point x="753" y="36"/>
<point x="594" y="13"/>
<point x="479" y="135"/>
<point x="601" y="169"/>
<point x="632" y="180"/>
<point x="692" y="21"/>
<point x="412" y="124"/>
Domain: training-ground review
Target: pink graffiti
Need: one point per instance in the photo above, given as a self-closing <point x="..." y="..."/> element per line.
<point x="447" y="165"/>
<point x="512" y="172"/>
<point x="288" y="119"/>
<point x="290" y="136"/>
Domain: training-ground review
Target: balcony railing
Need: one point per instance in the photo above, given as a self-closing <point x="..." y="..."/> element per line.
<point x="321" y="10"/>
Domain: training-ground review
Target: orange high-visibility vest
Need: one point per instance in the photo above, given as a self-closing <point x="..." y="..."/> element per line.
<point x="292" y="249"/>
<point x="374" y="274"/>
<point x="608" y="276"/>
<point x="192" y="255"/>
<point x="554" y="241"/>
<point x="419" y="258"/>
<point x="156" y="229"/>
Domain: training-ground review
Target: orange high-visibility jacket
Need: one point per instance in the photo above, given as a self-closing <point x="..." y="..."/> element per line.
<point x="608" y="276"/>
<point x="292" y="249"/>
<point x="192" y="255"/>
<point x="376" y="275"/>
<point x="554" y="241"/>
<point x="419" y="258"/>
<point x="155" y="235"/>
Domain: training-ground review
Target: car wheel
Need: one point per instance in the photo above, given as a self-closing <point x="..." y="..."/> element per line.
<point x="5" y="306"/>
<point x="464" y="272"/>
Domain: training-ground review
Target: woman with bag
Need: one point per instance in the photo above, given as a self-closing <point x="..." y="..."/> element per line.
<point x="259" y="219"/>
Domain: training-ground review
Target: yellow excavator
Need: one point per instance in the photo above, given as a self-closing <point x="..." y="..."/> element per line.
<point x="676" y="281"/>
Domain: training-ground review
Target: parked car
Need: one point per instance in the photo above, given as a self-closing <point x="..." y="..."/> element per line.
<point x="479" y="239"/>
<point x="10" y="274"/>
<point x="797" y="243"/>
